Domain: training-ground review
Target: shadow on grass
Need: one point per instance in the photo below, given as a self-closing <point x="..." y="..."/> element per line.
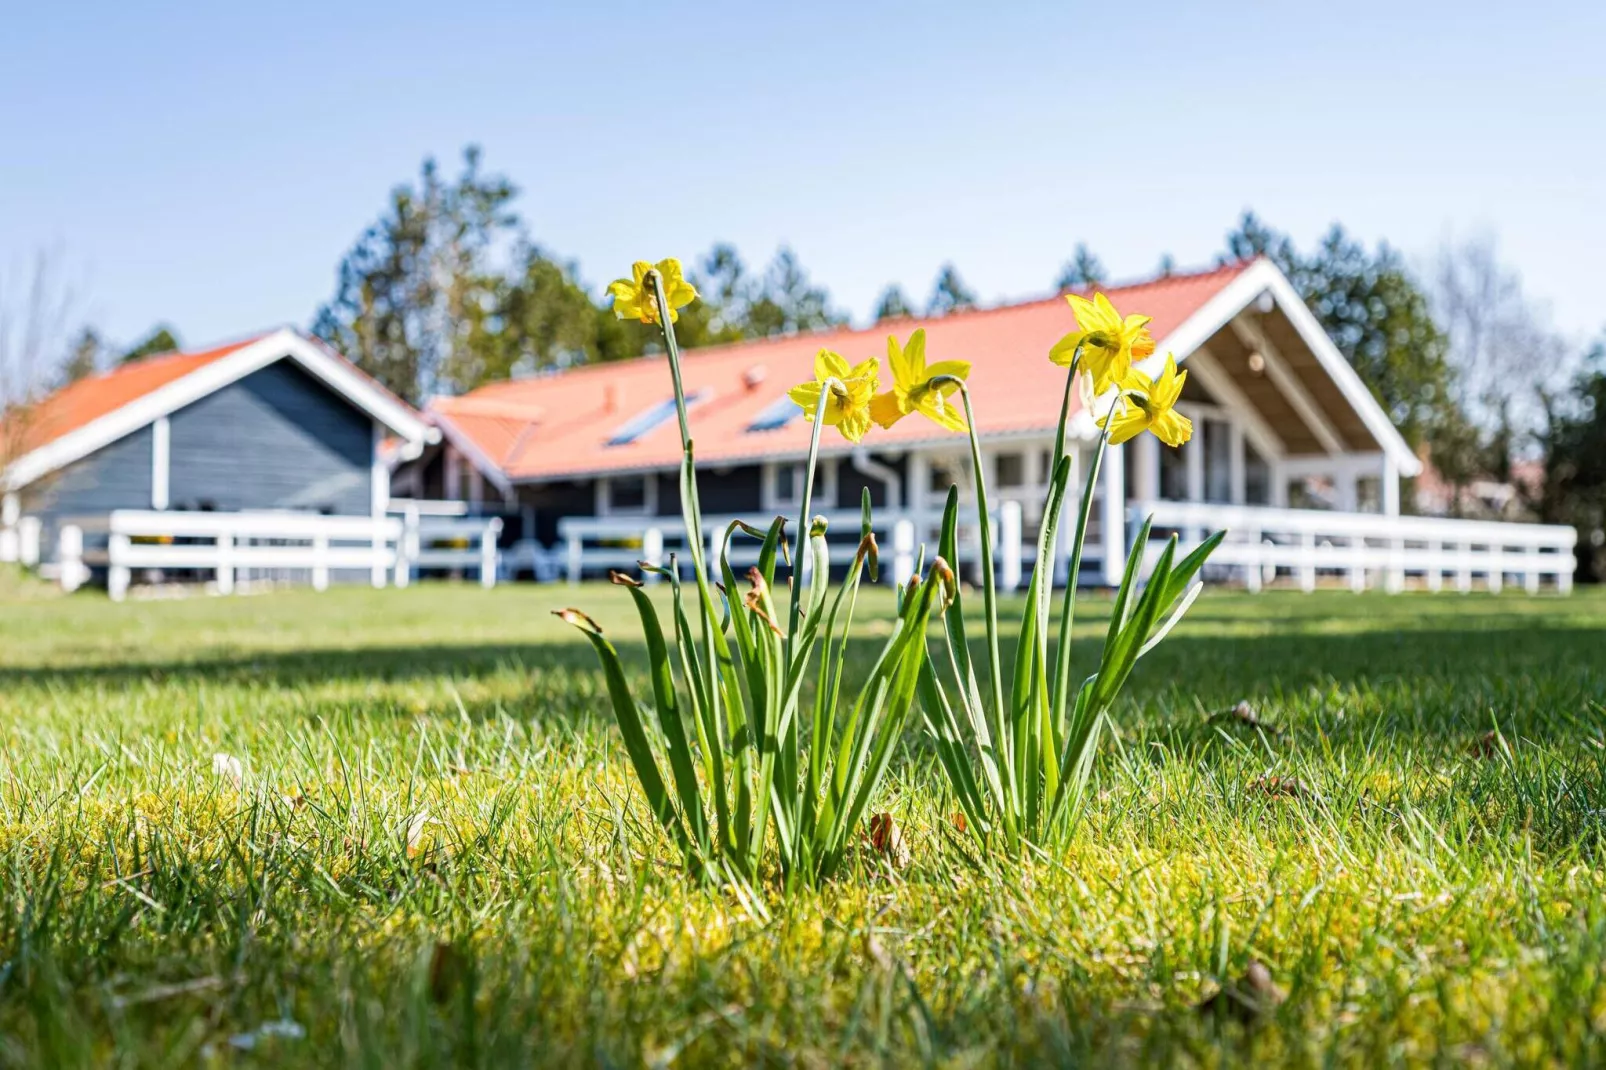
<point x="1431" y="675"/>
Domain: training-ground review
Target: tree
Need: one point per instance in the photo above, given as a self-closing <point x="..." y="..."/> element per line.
<point x="414" y="295"/>
<point x="162" y="339"/>
<point x="892" y="305"/>
<point x="1082" y="271"/>
<point x="34" y="312"/>
<point x="788" y="302"/>
<point x="1253" y="237"/>
<point x="84" y="357"/>
<point x="950" y="293"/>
<point x="1573" y="439"/>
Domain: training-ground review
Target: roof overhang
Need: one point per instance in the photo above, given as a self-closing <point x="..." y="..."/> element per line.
<point x="466" y="446"/>
<point x="1264" y="277"/>
<point x="333" y="372"/>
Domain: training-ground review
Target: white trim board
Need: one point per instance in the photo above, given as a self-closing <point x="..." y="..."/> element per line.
<point x="170" y="397"/>
<point x="469" y="449"/>
<point x="1264" y="277"/>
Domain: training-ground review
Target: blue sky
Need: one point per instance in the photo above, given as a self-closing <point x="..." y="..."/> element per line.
<point x="208" y="164"/>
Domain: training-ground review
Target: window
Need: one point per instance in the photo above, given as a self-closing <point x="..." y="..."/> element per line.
<point x="626" y="495"/>
<point x="786" y="487"/>
<point x="776" y="415"/>
<point x="1174" y="473"/>
<point x="644" y="422"/>
<point x="1011" y="469"/>
<point x="1257" y="478"/>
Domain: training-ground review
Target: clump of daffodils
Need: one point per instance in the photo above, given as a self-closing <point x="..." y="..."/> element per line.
<point x="756" y="774"/>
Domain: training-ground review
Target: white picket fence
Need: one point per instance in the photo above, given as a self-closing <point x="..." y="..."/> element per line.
<point x="1367" y="549"/>
<point x="247" y="547"/>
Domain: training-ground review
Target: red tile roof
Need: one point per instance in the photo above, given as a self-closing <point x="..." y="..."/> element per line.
<point x="82" y="403"/>
<point x="559" y="425"/>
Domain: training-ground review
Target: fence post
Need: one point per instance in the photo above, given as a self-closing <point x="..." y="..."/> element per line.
<point x="118" y="576"/>
<point x="1497" y="567"/>
<point x="488" y="538"/>
<point x="28" y="529"/>
<point x="70" y="557"/>
<point x="1463" y="571"/>
<point x="652" y="551"/>
<point x="1394" y="582"/>
<point x="320" y="562"/>
<point x="1530" y="578"/>
<point x="378" y="566"/>
<point x="225" y="563"/>
<point x="1009" y="521"/>
<point x="903" y="550"/>
<point x="574" y="558"/>
<point x="1307" y="561"/>
<point x="1435" y="575"/>
<point x="1253" y="572"/>
<point x="407" y="549"/>
<point x="1357" y="569"/>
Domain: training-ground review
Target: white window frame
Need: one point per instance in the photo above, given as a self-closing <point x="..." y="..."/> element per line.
<point x="649" y="496"/>
<point x="825" y="485"/>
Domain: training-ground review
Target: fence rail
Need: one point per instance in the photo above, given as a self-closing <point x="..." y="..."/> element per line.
<point x="238" y="547"/>
<point x="1368" y="549"/>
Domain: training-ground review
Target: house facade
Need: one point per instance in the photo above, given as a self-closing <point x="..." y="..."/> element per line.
<point x="1291" y="453"/>
<point x="260" y="452"/>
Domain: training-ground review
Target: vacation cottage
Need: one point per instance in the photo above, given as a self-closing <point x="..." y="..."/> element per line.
<point x="1291" y="452"/>
<point x="265" y="459"/>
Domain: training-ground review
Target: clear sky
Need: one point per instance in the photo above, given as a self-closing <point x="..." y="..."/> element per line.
<point x="208" y="164"/>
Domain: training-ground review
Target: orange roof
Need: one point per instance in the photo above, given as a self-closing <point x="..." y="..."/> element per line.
<point x="558" y="425"/>
<point x="82" y="403"/>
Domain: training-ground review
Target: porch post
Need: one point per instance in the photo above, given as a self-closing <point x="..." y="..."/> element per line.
<point x="1113" y="517"/>
<point x="1239" y="480"/>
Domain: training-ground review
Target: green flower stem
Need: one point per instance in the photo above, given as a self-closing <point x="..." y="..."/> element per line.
<point x="795" y="614"/>
<point x="989" y="589"/>
<point x="1062" y="660"/>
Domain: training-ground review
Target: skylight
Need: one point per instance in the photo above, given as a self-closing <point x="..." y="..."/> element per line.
<point x="643" y="422"/>
<point x="776" y="415"/>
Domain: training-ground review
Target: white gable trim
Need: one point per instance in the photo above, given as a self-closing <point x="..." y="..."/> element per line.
<point x="476" y="456"/>
<point x="324" y="366"/>
<point x="1264" y="277"/>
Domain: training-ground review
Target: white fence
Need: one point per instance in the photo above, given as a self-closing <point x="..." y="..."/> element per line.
<point x="593" y="544"/>
<point x="1368" y="549"/>
<point x="1263" y="545"/>
<point x="247" y="547"/>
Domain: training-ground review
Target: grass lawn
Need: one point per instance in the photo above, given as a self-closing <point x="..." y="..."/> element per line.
<point x="434" y="854"/>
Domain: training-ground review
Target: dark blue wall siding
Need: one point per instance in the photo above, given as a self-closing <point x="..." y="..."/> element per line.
<point x="277" y="439"/>
<point x="117" y="476"/>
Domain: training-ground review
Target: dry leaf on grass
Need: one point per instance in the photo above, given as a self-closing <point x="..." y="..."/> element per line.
<point x="888" y="840"/>
<point x="1246" y="715"/>
<point x="1248" y="999"/>
<point x="1283" y="786"/>
<point x="1487" y="745"/>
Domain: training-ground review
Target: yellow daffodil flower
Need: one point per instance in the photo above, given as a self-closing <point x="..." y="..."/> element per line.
<point x="633" y="298"/>
<point x="911" y="386"/>
<point x="1110" y="344"/>
<point x="847" y="407"/>
<point x="1146" y="404"/>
